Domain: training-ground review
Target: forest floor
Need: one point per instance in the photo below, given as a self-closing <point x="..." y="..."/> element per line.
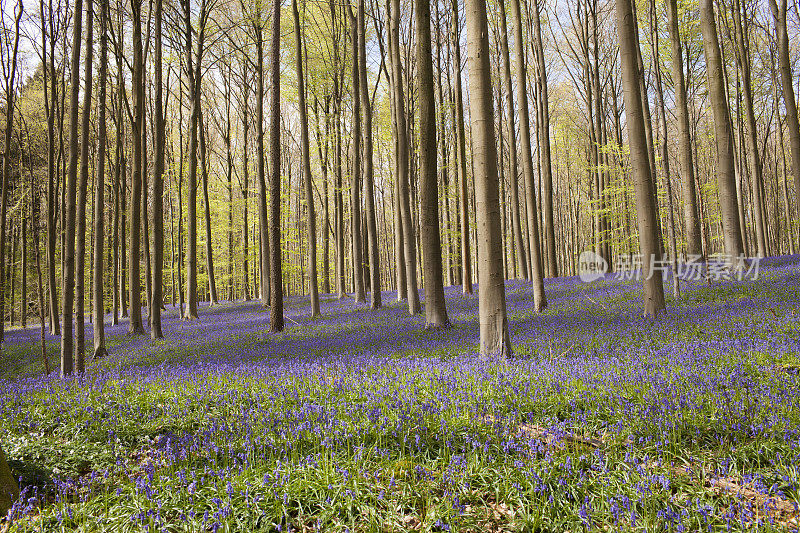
<point x="361" y="420"/>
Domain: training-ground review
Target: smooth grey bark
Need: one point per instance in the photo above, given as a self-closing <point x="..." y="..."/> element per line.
<point x="264" y="263"/>
<point x="373" y="249"/>
<point x="785" y="68"/>
<point x="435" y="305"/>
<point x="98" y="309"/>
<point x="516" y="226"/>
<point x="158" y="186"/>
<point x="646" y="215"/>
<point x="134" y="284"/>
<point x="70" y="199"/>
<point x="355" y="162"/>
<point x="495" y="341"/>
<point x="726" y="180"/>
<point x="461" y="153"/>
<point x="83" y="184"/>
<point x="306" y="162"/>
<point x="691" y="216"/>
<point x="275" y="267"/>
<point x="536" y="264"/>
<point x="212" y="280"/>
<point x="742" y="46"/>
<point x="544" y="148"/>
<point x="409" y="249"/>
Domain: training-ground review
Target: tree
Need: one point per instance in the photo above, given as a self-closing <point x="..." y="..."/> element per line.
<point x="83" y="183"/>
<point x="369" y="185"/>
<point x="158" y="187"/>
<point x="640" y="160"/>
<point x="98" y="309"/>
<point x="435" y="306"/>
<point x="68" y="272"/>
<point x="355" y="157"/>
<point x="307" y="183"/>
<point x="516" y="225"/>
<point x="784" y="65"/>
<point x="135" y="326"/>
<point x="544" y="146"/>
<point x="495" y="340"/>
<point x="262" y="186"/>
<point x="536" y="264"/>
<point x="461" y="152"/>
<point x="276" y="272"/>
<point x="690" y="211"/>
<point x="726" y="180"/>
<point x="404" y="196"/>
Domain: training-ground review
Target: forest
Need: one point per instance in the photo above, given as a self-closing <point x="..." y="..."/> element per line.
<point x="413" y="265"/>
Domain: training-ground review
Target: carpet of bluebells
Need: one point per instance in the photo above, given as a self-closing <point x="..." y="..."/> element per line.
<point x="362" y="420"/>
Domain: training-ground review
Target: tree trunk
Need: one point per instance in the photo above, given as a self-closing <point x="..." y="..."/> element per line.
<point x="640" y="162"/>
<point x="68" y="272"/>
<point x="435" y="306"/>
<point x="98" y="308"/>
<point x="212" y="281"/>
<point x="373" y="249"/>
<point x="690" y="211"/>
<point x="355" y="161"/>
<point x="784" y="65"/>
<point x="276" y="272"/>
<point x="544" y="149"/>
<point x="158" y="188"/>
<point x="516" y="226"/>
<point x="539" y="297"/>
<point x="732" y="231"/>
<point x="135" y="322"/>
<point x="262" y="184"/>
<point x="307" y="184"/>
<point x="409" y="249"/>
<point x="466" y="258"/>
<point x="743" y="61"/>
<point x="495" y="341"/>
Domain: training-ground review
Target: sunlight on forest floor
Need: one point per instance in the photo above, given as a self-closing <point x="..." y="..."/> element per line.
<point x="362" y="420"/>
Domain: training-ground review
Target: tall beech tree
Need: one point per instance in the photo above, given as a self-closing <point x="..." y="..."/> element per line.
<point x="646" y="215"/>
<point x="98" y="276"/>
<point x="276" y="270"/>
<point x="435" y="306"/>
<point x="495" y="341"/>
<point x="726" y="174"/>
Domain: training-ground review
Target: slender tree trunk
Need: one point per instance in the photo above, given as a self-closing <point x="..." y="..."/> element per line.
<point x="544" y="148"/>
<point x="49" y="71"/>
<point x="275" y="269"/>
<point x="435" y="306"/>
<point x="732" y="231"/>
<point x="516" y="226"/>
<point x="537" y="278"/>
<point x="409" y="251"/>
<point x="690" y="211"/>
<point x="373" y="249"/>
<point x="264" y="263"/>
<point x="466" y="258"/>
<point x="355" y="159"/>
<point x="640" y="165"/>
<point x="99" y="201"/>
<point x="784" y="65"/>
<point x="495" y="341"/>
<point x="134" y="285"/>
<point x="743" y="60"/>
<point x="158" y="188"/>
<point x="245" y="179"/>
<point x="71" y="178"/>
<point x="212" y="281"/>
<point x="306" y="163"/>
